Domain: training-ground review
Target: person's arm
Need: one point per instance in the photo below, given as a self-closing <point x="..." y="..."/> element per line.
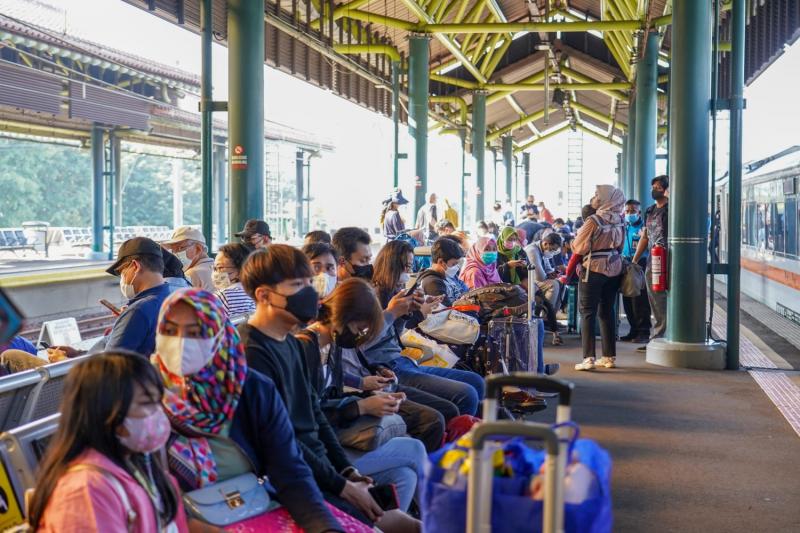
<point x="535" y="258"/>
<point x="582" y="241"/>
<point x="283" y="459"/>
<point x="129" y="331"/>
<point x="641" y="247"/>
<point x="327" y="435"/>
<point x="574" y="261"/>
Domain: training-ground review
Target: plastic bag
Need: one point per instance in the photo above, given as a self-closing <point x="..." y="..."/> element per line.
<point x="451" y="327"/>
<point x="632" y="281"/>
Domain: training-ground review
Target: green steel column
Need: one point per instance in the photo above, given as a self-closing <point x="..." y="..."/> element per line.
<point x="299" y="186"/>
<point x="646" y="121"/>
<point x="508" y="162"/>
<point x="222" y="192"/>
<point x="462" y="134"/>
<point x="396" y="66"/>
<point x="735" y="182"/>
<point x="418" y="78"/>
<point x="479" y="149"/>
<point x="97" y="191"/>
<point x="689" y="158"/>
<point x="623" y="166"/>
<point x="246" y="111"/>
<point x="526" y="171"/>
<point x="630" y="161"/>
<point x="206" y="163"/>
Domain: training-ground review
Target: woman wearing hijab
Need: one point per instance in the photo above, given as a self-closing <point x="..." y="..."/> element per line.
<point x="393" y="224"/>
<point x="599" y="242"/>
<point x="510" y="262"/>
<point x="228" y="419"/>
<point x="480" y="268"/>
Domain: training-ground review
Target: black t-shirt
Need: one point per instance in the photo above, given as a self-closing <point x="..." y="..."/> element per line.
<point x="656" y="220"/>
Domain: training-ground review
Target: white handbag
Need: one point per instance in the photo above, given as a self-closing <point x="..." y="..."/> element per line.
<point x="451" y="327"/>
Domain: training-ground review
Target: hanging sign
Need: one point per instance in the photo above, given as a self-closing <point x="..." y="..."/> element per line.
<point x="238" y="158"/>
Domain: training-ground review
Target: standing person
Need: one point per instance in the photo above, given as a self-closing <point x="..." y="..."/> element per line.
<point x="529" y="209"/>
<point x="228" y="419"/>
<point x="637" y="309"/>
<point x="255" y="234"/>
<point x="656" y="225"/>
<point x="598" y="242"/>
<point x="545" y="213"/>
<point x="427" y="216"/>
<point x="279" y="280"/>
<point x="227" y="280"/>
<point x="108" y="440"/>
<point x="480" y="267"/>
<point x="392" y="222"/>
<point x="189" y="246"/>
<point x="140" y="267"/>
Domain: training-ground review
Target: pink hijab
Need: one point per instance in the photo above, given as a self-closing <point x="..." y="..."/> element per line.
<point x="476" y="274"/>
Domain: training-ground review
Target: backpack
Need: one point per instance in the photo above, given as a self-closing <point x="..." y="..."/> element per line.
<point x="496" y="300"/>
<point x="603" y="228"/>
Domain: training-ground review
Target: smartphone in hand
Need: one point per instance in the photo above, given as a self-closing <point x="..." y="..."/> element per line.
<point x="385" y="496"/>
<point x="111" y="307"/>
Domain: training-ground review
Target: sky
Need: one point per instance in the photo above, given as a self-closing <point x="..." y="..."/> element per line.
<point x="363" y="139"/>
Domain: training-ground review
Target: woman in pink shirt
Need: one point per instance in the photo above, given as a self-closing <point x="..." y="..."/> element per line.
<point x="102" y="471"/>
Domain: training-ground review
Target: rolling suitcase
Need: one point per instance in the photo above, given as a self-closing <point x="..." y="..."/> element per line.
<point x="515" y="345"/>
<point x="479" y="488"/>
<point x="572" y="308"/>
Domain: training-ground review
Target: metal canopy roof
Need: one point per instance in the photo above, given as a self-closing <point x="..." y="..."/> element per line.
<point x="591" y="46"/>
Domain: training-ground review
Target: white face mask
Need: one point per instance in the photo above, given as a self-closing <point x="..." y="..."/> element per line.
<point x="222" y="280"/>
<point x="405" y="277"/>
<point x="184" y="356"/>
<point x="183" y="257"/>
<point x="452" y="271"/>
<point x="126" y="288"/>
<point x="324" y="283"/>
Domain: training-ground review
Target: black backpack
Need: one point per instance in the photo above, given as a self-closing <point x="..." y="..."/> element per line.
<point x="496" y="300"/>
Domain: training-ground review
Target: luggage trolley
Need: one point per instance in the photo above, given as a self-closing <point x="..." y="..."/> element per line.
<point x="479" y="491"/>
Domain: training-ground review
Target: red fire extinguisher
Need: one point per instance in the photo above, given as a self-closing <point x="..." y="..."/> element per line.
<point x="658" y="267"/>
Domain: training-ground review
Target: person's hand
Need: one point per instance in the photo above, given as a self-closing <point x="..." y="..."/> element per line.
<point x="357" y="494"/>
<point x="375" y="383"/>
<point x="54" y="355"/>
<point x="562" y="280"/>
<point x="516" y="263"/>
<point x="385" y="372"/>
<point x="400" y="305"/>
<point x="552" y="275"/>
<point x="357" y="477"/>
<point x="431" y="302"/>
<point x="379" y="405"/>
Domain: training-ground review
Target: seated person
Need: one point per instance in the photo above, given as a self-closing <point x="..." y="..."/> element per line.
<point x="140" y="267"/>
<point x="111" y="429"/>
<point x="228" y="419"/>
<point x="173" y="271"/>
<point x="441" y="279"/>
<point x="540" y="255"/>
<point x="324" y="260"/>
<point x="19" y="343"/>
<point x="349" y="317"/>
<point x="227" y="267"/>
<point x="13" y="361"/>
<point x="480" y="267"/>
<point x="317" y="236"/>
<point x="511" y="265"/>
<point x="352" y="246"/>
<point x="392" y="269"/>
<point x="255" y="234"/>
<point x="189" y="246"/>
<point x="279" y="280"/>
<point x="444" y="227"/>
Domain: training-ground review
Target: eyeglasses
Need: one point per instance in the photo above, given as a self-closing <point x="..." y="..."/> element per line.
<point x="222" y="268"/>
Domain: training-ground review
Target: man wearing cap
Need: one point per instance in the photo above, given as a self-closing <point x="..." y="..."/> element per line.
<point x="189" y="245"/>
<point x="139" y="267"/>
<point x="255" y="234"/>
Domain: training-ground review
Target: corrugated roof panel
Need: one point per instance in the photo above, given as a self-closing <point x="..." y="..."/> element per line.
<point x="107" y="107"/>
<point x="30" y="89"/>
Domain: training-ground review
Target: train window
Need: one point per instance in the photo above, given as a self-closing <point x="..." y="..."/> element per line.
<point x="791" y="226"/>
<point x="750" y="229"/>
<point x="778" y="227"/>
<point x="761" y="226"/>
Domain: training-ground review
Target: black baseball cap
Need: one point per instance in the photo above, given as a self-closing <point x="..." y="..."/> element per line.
<point x="253" y="226"/>
<point x="134" y="246"/>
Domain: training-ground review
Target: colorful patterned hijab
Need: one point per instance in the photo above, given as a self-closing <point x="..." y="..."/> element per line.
<point x="204" y="402"/>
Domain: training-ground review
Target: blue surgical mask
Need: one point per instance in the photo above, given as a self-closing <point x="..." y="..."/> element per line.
<point x="488" y="257"/>
<point x="632" y="218"/>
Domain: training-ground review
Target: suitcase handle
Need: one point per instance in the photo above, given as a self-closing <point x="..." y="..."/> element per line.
<point x="543" y="432"/>
<point x="496" y="382"/>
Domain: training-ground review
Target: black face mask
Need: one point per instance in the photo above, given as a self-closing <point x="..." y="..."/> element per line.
<point x="657" y="195"/>
<point x="362" y="271"/>
<point x="347" y="339"/>
<point x="303" y="304"/>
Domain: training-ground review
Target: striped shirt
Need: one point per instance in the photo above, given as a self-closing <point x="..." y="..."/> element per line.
<point x="236" y="301"/>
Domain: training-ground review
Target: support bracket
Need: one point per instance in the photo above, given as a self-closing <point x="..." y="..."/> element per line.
<point x="213" y="106"/>
<point x="730" y="104"/>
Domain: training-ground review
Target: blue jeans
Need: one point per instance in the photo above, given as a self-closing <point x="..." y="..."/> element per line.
<point x="399" y="461"/>
<point x="463" y="388"/>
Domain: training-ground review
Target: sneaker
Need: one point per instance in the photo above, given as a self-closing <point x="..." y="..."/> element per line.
<point x="587" y="364"/>
<point x="607" y="362"/>
<point x="627" y="338"/>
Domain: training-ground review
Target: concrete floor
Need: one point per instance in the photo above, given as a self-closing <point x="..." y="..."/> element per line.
<point x="693" y="450"/>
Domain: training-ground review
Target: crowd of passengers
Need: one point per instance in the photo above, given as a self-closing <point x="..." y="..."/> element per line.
<point x="311" y="392"/>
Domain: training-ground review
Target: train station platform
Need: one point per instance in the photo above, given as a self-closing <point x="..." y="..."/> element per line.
<point x="694" y="450"/>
